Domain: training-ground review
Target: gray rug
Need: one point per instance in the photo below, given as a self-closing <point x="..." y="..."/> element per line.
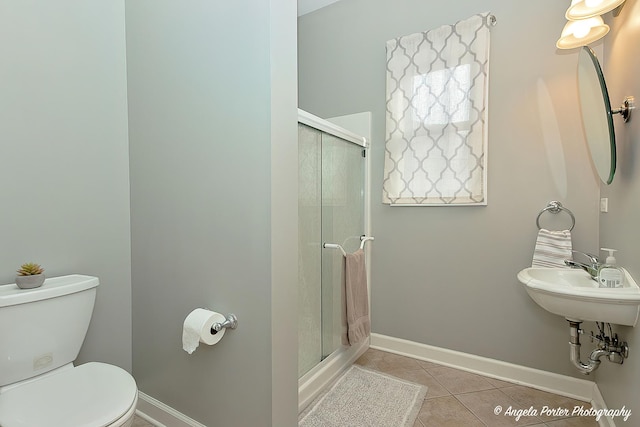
<point x="361" y="397"/>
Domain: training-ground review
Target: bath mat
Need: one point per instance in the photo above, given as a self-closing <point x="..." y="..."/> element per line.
<point x="361" y="397"/>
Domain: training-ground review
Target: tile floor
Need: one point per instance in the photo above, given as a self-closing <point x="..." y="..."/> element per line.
<point x="460" y="399"/>
<point x="139" y="422"/>
<point x="457" y="398"/>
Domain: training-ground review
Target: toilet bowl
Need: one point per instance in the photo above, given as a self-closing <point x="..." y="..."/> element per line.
<point x="41" y="333"/>
<point x="90" y="395"/>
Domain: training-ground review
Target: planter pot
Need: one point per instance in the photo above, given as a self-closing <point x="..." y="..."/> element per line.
<point x="29" y="282"/>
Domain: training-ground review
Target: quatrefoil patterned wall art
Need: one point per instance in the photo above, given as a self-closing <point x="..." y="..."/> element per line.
<point x="436" y="119"/>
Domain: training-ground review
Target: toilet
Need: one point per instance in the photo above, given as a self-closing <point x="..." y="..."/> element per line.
<point x="41" y="332"/>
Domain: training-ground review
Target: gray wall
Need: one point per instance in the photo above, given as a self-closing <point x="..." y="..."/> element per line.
<point x="63" y="144"/>
<point x="202" y="119"/>
<point x="619" y="227"/>
<point x="284" y="213"/>
<point x="446" y="276"/>
<point x="214" y="212"/>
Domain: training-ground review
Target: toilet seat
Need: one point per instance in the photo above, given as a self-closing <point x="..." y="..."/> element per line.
<point x="90" y="395"/>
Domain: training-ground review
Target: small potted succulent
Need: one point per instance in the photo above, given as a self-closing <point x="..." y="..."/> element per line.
<point x="30" y="275"/>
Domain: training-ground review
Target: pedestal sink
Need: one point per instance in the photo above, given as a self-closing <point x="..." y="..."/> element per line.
<point x="572" y="293"/>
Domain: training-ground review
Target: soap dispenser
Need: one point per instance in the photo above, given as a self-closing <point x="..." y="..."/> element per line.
<point x="609" y="274"/>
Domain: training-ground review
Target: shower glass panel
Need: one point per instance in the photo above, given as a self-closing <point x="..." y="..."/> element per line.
<point x="342" y="223"/>
<point x="309" y="248"/>
<point x="330" y="210"/>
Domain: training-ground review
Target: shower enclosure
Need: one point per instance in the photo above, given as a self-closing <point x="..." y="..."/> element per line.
<point x="331" y="209"/>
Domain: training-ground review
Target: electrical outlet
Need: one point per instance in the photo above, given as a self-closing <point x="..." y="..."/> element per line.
<point x="604" y="205"/>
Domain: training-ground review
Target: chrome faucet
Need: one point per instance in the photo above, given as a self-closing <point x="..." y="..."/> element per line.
<point x="591" y="268"/>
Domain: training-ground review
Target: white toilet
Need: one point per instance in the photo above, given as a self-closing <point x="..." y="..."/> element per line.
<point x="41" y="332"/>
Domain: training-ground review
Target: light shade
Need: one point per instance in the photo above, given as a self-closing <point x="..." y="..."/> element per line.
<point x="589" y="8"/>
<point x="582" y="32"/>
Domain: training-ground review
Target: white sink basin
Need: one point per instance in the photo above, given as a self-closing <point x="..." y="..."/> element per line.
<point x="573" y="294"/>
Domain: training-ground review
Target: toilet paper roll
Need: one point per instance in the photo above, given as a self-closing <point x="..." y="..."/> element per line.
<point x="197" y="329"/>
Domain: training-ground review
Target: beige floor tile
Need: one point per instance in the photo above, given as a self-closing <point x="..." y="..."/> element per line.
<point x="446" y="412"/>
<point x="139" y="422"/>
<point x="390" y="362"/>
<point x="457" y="381"/>
<point x="483" y="404"/>
<point x="550" y="406"/>
<point x="427" y="365"/>
<point x="420" y="376"/>
<point x="370" y="357"/>
<point x="372" y="354"/>
<point x="365" y="362"/>
<point x="574" y="422"/>
<point x="458" y="398"/>
<point x="498" y="383"/>
<point x="418" y="423"/>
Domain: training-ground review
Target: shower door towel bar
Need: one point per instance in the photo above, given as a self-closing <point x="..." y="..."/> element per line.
<point x="555" y="207"/>
<point x="334" y="246"/>
<point x="363" y="239"/>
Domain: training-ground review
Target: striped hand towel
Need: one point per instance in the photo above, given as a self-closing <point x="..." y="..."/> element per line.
<point x="552" y="248"/>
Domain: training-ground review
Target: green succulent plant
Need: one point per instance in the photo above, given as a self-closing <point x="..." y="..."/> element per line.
<point x="30" y="269"/>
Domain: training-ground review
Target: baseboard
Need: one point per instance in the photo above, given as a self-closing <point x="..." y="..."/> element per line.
<point x="311" y="385"/>
<point x="584" y="390"/>
<point x="598" y="403"/>
<point x="161" y="415"/>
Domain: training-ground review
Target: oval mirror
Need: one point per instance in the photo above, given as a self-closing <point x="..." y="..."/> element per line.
<point x="597" y="117"/>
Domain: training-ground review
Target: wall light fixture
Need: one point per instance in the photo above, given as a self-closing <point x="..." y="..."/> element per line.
<point x="589" y="8"/>
<point x="585" y="25"/>
<point x="582" y="32"/>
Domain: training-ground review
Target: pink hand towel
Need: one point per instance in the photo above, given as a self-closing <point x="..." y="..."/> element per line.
<point x="356" y="297"/>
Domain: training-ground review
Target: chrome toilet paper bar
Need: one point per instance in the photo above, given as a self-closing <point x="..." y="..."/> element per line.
<point x="231" y="322"/>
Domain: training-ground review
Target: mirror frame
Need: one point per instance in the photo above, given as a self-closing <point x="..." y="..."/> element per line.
<point x="595" y="144"/>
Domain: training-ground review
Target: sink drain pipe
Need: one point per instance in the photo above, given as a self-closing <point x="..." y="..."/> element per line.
<point x="615" y="353"/>
<point x="574" y="348"/>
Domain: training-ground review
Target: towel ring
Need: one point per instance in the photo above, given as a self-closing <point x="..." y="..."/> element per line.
<point x="554" y="207"/>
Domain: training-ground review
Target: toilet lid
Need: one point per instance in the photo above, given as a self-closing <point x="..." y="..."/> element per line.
<point x="90" y="395"/>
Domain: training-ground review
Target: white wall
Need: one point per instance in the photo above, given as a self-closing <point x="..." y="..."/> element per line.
<point x="446" y="276"/>
<point x="619" y="227"/>
<point x="64" y="180"/>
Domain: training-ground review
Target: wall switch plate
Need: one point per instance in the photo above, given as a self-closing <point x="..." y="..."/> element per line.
<point x="604" y="205"/>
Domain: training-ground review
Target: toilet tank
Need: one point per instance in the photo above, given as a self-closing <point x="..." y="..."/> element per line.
<point x="43" y="328"/>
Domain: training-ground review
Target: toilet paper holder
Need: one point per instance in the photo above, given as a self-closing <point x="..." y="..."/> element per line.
<point x="230" y="322"/>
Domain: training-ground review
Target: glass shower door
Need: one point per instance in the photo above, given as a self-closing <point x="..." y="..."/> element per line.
<point x="330" y="210"/>
<point x="309" y="248"/>
<point x="342" y="223"/>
